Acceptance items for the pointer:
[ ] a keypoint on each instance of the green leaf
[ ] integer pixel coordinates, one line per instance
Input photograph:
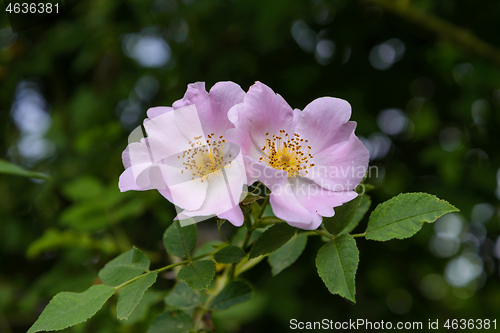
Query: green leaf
(172, 322)
(255, 211)
(141, 311)
(180, 241)
(234, 292)
(288, 253)
(183, 297)
(229, 254)
(198, 274)
(132, 294)
(11, 169)
(68, 309)
(403, 216)
(337, 262)
(126, 266)
(360, 213)
(272, 239)
(343, 215)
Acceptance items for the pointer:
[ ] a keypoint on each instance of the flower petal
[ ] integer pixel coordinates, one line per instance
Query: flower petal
(170, 134)
(267, 175)
(341, 167)
(223, 96)
(213, 106)
(302, 203)
(158, 111)
(234, 215)
(321, 121)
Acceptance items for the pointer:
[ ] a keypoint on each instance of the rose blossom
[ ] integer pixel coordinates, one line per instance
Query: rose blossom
(186, 157)
(310, 160)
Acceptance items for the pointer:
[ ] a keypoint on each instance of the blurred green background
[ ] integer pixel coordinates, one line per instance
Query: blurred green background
(427, 105)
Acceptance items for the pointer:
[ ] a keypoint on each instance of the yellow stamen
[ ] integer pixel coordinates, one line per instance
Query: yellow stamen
(287, 152)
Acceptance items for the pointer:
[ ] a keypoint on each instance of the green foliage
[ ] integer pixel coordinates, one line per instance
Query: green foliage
(198, 274)
(172, 322)
(337, 262)
(11, 169)
(131, 295)
(126, 266)
(343, 216)
(53, 239)
(288, 253)
(358, 216)
(234, 292)
(229, 254)
(183, 297)
(250, 198)
(180, 241)
(403, 216)
(68, 309)
(272, 239)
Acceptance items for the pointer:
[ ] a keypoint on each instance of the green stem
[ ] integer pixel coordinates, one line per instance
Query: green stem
(263, 208)
(221, 282)
(159, 270)
(322, 233)
(358, 235)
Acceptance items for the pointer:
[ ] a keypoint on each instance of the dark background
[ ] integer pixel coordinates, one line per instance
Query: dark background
(427, 107)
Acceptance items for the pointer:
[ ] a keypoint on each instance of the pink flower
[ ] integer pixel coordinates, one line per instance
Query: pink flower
(186, 157)
(310, 160)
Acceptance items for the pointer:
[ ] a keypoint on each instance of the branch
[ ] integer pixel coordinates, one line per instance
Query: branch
(460, 36)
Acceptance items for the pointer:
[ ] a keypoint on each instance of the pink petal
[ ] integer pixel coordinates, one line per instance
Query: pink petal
(269, 176)
(234, 215)
(341, 167)
(213, 107)
(223, 96)
(322, 120)
(169, 134)
(302, 203)
(158, 111)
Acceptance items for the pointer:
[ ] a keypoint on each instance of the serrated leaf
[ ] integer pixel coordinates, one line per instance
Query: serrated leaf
(142, 310)
(180, 241)
(288, 253)
(198, 274)
(172, 322)
(126, 266)
(337, 262)
(183, 297)
(343, 216)
(234, 292)
(360, 213)
(403, 216)
(68, 309)
(12, 169)
(272, 239)
(229, 254)
(132, 294)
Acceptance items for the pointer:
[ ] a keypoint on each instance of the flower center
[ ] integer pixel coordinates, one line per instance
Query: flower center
(204, 159)
(287, 152)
